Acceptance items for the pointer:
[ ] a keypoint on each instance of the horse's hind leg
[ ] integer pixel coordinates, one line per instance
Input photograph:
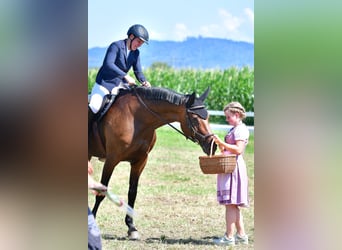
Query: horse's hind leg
(136, 170)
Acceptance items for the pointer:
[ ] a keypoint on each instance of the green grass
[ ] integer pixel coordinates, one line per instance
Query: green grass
(176, 202)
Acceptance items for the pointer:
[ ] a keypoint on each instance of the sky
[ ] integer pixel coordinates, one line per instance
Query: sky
(171, 20)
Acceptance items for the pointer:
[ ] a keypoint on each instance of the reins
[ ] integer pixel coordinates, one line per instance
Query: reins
(162, 119)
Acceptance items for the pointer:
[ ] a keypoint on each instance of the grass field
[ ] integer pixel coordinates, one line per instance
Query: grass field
(176, 203)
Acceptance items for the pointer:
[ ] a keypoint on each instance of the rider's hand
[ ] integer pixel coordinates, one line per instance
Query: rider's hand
(146, 84)
(130, 80)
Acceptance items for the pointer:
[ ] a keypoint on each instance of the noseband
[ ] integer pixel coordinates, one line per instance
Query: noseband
(188, 122)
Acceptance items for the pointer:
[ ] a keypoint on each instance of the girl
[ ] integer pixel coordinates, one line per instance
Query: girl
(232, 189)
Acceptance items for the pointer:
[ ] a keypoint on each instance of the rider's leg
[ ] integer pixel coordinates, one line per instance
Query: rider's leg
(95, 103)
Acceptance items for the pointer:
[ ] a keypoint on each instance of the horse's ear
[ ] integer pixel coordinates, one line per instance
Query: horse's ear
(204, 95)
(191, 100)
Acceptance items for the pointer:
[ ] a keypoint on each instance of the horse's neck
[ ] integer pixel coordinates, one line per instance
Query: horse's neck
(161, 113)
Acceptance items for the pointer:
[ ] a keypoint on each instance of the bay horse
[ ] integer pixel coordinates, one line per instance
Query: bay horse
(127, 132)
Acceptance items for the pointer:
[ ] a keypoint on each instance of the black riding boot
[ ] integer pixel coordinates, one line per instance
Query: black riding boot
(91, 117)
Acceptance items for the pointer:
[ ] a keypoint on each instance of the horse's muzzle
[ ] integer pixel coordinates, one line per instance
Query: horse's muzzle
(206, 145)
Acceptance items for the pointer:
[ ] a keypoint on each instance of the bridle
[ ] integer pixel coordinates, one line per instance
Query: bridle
(189, 122)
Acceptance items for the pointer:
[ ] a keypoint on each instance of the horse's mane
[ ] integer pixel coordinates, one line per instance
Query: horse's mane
(161, 94)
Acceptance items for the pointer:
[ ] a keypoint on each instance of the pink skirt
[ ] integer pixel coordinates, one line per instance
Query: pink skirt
(233, 188)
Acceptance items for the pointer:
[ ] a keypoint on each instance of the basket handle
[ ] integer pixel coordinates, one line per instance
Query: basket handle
(211, 148)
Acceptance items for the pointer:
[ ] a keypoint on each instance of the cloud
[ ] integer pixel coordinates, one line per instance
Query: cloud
(155, 35)
(229, 26)
(211, 30)
(250, 14)
(230, 22)
(238, 28)
(181, 32)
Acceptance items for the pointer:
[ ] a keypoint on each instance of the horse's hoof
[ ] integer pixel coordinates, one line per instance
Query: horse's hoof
(133, 235)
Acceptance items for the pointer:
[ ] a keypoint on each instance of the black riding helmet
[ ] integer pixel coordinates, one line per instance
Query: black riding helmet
(138, 31)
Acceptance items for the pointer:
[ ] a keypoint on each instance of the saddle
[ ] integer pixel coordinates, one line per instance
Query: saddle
(109, 99)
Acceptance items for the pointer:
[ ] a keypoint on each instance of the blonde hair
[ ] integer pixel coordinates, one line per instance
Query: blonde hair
(236, 107)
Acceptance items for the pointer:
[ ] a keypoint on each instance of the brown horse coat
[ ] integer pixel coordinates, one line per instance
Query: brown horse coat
(127, 132)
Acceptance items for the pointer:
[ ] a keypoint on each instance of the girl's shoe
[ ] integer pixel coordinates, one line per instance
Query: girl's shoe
(225, 241)
(241, 239)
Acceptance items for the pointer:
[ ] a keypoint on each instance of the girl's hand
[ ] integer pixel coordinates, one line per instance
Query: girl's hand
(219, 143)
(217, 140)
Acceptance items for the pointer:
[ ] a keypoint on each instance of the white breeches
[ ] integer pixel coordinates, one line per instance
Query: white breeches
(98, 92)
(96, 97)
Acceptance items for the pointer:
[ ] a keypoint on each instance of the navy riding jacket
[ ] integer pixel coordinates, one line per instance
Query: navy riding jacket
(116, 65)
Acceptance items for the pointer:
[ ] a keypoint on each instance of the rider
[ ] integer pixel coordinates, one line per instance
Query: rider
(113, 74)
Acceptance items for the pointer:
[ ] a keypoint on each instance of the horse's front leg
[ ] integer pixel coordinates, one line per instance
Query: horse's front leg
(107, 172)
(136, 170)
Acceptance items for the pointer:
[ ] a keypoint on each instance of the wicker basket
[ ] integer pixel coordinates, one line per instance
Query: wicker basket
(217, 164)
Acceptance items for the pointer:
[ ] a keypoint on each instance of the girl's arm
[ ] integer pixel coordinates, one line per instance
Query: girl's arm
(237, 148)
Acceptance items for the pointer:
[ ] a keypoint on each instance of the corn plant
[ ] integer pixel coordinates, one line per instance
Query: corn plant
(232, 84)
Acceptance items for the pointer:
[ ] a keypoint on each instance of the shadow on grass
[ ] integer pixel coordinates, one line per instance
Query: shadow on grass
(188, 241)
(164, 240)
(113, 237)
(209, 240)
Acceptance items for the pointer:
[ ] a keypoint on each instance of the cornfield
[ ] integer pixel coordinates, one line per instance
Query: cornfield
(233, 84)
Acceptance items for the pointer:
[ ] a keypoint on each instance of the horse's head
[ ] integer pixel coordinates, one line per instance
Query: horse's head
(197, 122)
